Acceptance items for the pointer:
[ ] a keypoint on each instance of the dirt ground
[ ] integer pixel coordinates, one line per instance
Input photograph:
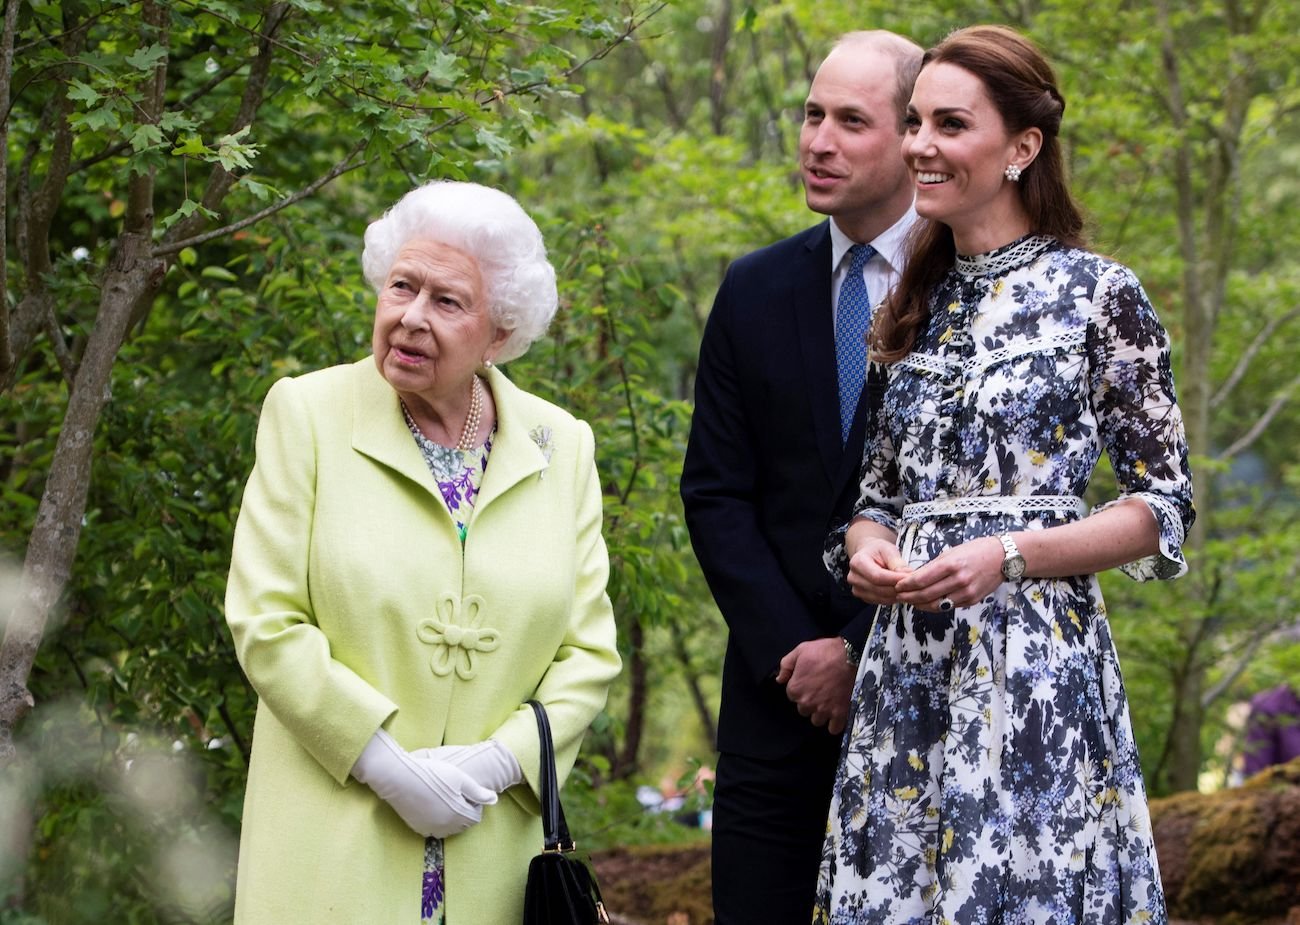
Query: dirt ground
(670, 886)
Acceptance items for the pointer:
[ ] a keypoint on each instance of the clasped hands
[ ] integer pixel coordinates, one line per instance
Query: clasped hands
(437, 791)
(963, 574)
(819, 680)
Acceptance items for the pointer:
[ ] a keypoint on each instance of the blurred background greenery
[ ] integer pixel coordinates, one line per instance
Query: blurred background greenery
(185, 190)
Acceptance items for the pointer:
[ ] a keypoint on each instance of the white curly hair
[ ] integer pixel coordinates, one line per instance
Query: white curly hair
(491, 227)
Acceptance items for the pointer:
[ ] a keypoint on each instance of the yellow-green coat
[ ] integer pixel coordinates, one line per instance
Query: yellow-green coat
(347, 582)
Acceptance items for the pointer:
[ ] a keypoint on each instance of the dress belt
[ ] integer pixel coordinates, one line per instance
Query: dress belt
(993, 504)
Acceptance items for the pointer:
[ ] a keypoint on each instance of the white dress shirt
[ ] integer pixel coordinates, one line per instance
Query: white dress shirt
(882, 270)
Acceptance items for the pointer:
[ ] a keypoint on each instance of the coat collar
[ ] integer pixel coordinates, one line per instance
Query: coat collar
(379, 431)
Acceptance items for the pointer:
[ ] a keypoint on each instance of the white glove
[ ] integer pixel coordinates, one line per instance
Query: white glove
(433, 797)
(489, 763)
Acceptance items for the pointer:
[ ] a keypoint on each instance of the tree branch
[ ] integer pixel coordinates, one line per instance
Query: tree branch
(6, 78)
(36, 210)
(221, 180)
(343, 166)
(1277, 404)
(1248, 355)
(67, 363)
(171, 245)
(182, 106)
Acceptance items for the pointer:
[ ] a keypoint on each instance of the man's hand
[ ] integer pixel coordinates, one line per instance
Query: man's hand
(819, 679)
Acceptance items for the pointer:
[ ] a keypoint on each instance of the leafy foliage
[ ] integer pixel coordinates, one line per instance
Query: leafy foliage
(284, 127)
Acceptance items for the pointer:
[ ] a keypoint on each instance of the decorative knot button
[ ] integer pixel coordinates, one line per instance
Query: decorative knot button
(456, 637)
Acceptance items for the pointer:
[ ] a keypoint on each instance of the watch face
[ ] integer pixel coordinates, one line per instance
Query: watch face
(1013, 567)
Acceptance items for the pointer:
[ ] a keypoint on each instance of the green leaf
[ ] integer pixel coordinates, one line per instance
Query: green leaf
(191, 145)
(493, 142)
(146, 59)
(83, 93)
(102, 119)
(443, 68)
(259, 191)
(145, 136)
(220, 273)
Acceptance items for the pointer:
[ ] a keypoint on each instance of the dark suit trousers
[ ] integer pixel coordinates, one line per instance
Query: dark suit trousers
(769, 821)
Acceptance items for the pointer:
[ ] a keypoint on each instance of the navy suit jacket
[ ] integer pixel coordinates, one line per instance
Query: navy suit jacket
(766, 478)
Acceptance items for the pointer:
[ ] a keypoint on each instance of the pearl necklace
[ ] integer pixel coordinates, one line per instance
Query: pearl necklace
(469, 432)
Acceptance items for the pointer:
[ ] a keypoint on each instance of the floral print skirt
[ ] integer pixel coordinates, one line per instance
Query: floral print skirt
(988, 773)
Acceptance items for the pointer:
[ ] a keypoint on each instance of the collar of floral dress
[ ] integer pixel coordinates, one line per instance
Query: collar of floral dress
(1008, 257)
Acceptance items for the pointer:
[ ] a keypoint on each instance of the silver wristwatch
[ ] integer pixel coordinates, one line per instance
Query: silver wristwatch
(1013, 563)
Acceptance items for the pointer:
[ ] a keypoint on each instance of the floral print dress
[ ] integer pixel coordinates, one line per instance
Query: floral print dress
(459, 474)
(988, 773)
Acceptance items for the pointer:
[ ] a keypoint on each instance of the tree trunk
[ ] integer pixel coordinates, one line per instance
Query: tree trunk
(1181, 763)
(133, 275)
(638, 674)
(692, 677)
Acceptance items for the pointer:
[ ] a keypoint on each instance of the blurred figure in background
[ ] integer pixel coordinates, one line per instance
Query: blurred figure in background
(1272, 729)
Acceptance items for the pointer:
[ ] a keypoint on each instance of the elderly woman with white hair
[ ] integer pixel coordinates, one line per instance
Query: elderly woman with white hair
(418, 554)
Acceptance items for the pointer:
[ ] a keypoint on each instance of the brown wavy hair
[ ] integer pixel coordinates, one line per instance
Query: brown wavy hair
(1022, 86)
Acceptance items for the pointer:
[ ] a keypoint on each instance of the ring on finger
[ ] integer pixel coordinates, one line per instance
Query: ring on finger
(945, 604)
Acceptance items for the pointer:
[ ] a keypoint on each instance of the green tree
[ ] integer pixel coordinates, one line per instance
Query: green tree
(121, 102)
(184, 188)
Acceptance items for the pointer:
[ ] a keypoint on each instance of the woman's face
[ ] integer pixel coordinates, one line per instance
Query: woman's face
(432, 327)
(958, 147)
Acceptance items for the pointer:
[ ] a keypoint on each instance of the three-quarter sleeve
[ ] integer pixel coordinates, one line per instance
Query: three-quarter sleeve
(1132, 390)
(880, 497)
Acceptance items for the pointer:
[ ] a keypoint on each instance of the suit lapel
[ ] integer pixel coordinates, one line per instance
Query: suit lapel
(811, 300)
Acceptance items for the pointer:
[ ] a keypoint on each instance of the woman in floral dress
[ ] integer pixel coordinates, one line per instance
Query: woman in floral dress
(989, 772)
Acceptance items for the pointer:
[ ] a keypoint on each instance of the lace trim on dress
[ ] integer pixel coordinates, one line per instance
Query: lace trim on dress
(941, 366)
(999, 261)
(928, 363)
(993, 504)
(1045, 344)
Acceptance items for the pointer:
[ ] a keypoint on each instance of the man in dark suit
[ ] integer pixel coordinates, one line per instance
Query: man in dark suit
(775, 446)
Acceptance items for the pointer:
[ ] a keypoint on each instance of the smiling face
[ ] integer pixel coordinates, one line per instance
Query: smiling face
(848, 146)
(432, 325)
(958, 148)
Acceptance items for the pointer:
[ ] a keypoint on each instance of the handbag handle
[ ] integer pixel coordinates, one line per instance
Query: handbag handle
(555, 830)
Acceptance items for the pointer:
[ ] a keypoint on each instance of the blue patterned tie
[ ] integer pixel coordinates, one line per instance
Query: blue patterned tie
(852, 318)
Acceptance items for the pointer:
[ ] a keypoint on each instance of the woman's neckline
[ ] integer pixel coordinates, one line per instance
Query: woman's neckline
(1007, 257)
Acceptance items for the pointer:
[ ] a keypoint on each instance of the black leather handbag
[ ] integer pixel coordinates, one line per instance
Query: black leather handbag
(561, 889)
